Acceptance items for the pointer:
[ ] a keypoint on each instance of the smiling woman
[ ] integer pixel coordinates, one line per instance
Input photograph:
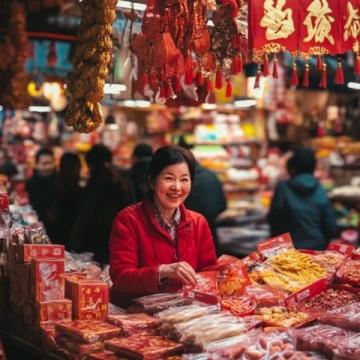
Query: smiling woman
(158, 244)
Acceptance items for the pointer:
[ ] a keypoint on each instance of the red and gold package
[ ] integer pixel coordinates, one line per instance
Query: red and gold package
(266, 295)
(143, 346)
(54, 310)
(90, 299)
(27, 252)
(87, 331)
(275, 246)
(233, 279)
(78, 348)
(104, 355)
(239, 306)
(47, 279)
(70, 279)
(134, 323)
(206, 289)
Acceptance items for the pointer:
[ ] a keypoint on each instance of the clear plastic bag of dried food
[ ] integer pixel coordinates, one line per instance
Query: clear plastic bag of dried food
(318, 337)
(186, 313)
(274, 344)
(348, 348)
(347, 317)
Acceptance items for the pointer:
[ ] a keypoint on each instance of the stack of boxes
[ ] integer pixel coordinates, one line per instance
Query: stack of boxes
(37, 288)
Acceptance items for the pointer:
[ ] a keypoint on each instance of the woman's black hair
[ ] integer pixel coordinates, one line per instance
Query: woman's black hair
(170, 155)
(302, 161)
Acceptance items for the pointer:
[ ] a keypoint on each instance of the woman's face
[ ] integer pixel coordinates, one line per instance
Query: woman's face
(172, 186)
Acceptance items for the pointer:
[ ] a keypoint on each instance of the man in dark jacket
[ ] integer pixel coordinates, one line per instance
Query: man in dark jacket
(300, 205)
(42, 187)
(141, 158)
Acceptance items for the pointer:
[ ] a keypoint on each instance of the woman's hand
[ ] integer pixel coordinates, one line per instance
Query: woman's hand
(180, 271)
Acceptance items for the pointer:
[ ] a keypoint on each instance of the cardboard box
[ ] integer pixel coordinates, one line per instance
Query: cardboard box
(47, 279)
(54, 310)
(90, 299)
(27, 252)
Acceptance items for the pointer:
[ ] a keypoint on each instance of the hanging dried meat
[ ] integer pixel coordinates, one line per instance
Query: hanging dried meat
(13, 52)
(92, 57)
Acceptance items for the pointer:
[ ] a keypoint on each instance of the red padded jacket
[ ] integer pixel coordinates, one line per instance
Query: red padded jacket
(138, 245)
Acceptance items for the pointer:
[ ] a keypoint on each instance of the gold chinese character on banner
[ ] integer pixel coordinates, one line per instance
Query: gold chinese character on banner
(318, 22)
(352, 25)
(279, 23)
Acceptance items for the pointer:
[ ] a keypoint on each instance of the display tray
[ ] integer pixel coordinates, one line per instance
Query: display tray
(16, 347)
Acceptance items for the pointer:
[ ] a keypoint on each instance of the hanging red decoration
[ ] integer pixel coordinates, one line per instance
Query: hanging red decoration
(319, 62)
(323, 81)
(275, 73)
(357, 65)
(257, 79)
(189, 78)
(162, 91)
(266, 66)
(234, 66)
(218, 79)
(239, 64)
(229, 88)
(305, 82)
(209, 85)
(339, 75)
(294, 75)
(200, 78)
(177, 85)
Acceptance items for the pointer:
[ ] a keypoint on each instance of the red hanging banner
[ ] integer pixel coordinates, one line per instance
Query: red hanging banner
(273, 26)
(350, 25)
(320, 26)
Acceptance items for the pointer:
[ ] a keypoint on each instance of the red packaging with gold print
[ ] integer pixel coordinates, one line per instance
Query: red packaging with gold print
(90, 299)
(54, 310)
(27, 252)
(47, 279)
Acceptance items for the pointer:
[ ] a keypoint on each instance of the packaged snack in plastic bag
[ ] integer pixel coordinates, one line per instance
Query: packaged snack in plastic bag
(36, 234)
(349, 272)
(349, 347)
(347, 317)
(266, 295)
(330, 261)
(332, 298)
(134, 323)
(318, 337)
(232, 279)
(206, 288)
(240, 305)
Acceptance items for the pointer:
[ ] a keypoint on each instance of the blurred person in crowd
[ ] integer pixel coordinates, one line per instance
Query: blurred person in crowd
(141, 158)
(207, 195)
(300, 205)
(7, 167)
(67, 201)
(42, 187)
(158, 244)
(107, 192)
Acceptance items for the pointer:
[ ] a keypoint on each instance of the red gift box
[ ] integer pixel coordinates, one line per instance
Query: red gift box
(27, 252)
(90, 299)
(143, 346)
(76, 347)
(54, 310)
(47, 279)
(87, 331)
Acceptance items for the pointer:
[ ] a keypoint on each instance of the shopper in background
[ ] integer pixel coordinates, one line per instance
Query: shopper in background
(300, 205)
(158, 244)
(68, 198)
(7, 167)
(207, 195)
(107, 192)
(141, 158)
(42, 187)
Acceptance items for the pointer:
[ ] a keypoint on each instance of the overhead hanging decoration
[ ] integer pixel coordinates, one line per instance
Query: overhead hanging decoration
(305, 28)
(92, 57)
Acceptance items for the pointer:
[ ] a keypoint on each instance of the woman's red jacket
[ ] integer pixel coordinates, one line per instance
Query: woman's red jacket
(138, 245)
